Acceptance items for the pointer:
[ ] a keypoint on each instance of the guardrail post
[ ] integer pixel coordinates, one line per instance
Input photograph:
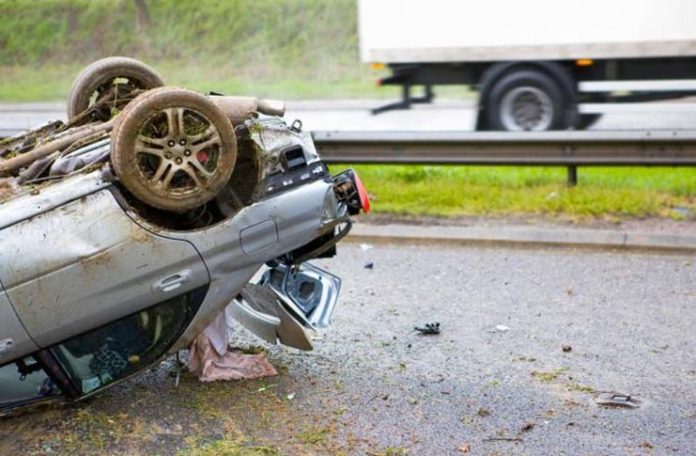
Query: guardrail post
(572, 175)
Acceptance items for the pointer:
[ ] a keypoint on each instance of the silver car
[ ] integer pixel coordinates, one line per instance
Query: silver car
(97, 284)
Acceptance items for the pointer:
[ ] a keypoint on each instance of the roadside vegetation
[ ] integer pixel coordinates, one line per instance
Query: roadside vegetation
(298, 49)
(612, 194)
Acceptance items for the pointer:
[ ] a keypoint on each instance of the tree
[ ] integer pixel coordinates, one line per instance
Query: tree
(142, 19)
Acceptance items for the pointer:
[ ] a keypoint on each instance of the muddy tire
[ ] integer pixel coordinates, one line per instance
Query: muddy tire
(173, 149)
(111, 73)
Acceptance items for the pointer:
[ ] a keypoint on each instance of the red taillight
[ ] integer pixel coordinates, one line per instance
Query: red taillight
(362, 193)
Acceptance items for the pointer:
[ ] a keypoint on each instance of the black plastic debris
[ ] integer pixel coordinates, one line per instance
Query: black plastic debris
(369, 265)
(429, 329)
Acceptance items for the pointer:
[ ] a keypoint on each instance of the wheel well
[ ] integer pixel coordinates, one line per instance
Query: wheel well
(560, 73)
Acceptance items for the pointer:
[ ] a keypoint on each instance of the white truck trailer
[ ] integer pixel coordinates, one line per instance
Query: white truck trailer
(534, 62)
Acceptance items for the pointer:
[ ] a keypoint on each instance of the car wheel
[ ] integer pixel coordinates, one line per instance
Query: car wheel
(527, 101)
(112, 81)
(173, 149)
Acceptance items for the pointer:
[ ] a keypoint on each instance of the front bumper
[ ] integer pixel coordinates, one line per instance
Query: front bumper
(290, 305)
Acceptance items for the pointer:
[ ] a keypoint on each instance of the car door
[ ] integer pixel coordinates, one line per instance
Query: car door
(14, 339)
(86, 263)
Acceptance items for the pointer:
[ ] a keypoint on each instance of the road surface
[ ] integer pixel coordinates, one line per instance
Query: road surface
(495, 381)
(355, 115)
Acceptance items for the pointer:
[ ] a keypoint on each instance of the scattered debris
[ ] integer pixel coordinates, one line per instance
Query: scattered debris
(483, 412)
(266, 387)
(8, 187)
(500, 329)
(429, 329)
(566, 348)
(369, 265)
(464, 448)
(209, 363)
(290, 396)
(365, 247)
(528, 359)
(528, 426)
(617, 400)
(502, 439)
(646, 444)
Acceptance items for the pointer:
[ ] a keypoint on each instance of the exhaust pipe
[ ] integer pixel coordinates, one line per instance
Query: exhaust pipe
(239, 109)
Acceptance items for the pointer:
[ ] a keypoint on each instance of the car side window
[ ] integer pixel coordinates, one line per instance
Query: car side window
(118, 349)
(24, 381)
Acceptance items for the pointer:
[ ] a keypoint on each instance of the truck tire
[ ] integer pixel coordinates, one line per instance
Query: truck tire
(112, 73)
(173, 149)
(527, 100)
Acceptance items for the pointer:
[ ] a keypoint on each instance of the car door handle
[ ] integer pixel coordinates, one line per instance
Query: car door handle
(172, 282)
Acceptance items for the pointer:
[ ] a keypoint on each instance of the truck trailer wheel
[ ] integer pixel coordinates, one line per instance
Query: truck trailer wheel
(527, 100)
(111, 80)
(173, 149)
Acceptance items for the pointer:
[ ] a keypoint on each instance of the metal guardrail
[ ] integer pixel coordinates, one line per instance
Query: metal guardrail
(557, 148)
(564, 148)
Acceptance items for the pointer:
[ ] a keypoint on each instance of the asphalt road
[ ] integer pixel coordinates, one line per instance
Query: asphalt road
(375, 386)
(355, 115)
(628, 318)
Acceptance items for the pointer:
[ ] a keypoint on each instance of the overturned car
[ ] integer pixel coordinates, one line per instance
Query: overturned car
(127, 230)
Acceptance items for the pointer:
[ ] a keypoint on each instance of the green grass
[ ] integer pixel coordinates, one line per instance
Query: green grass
(51, 82)
(314, 435)
(228, 448)
(615, 193)
(548, 377)
(291, 49)
(256, 34)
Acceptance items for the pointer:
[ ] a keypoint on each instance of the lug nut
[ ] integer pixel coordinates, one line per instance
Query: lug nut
(182, 142)
(168, 155)
(178, 160)
(187, 153)
(171, 143)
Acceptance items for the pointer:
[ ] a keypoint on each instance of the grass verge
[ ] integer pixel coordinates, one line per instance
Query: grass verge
(608, 193)
(298, 49)
(51, 82)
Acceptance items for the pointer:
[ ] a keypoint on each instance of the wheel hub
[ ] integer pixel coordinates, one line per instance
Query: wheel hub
(526, 108)
(179, 154)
